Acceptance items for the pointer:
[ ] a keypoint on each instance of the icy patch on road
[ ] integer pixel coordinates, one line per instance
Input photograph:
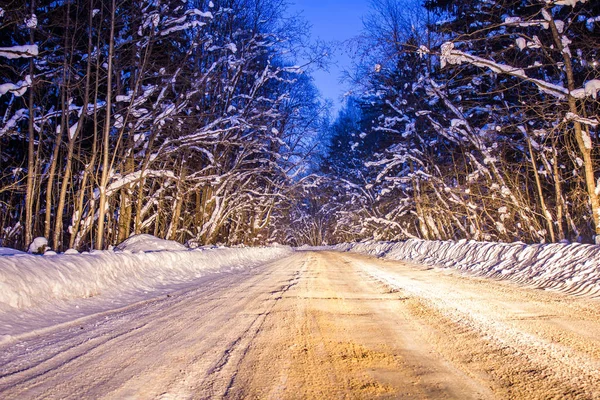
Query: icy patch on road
(570, 268)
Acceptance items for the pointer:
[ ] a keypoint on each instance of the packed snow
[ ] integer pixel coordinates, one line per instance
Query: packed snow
(570, 268)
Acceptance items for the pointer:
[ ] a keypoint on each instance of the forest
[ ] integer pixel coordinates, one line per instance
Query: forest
(198, 121)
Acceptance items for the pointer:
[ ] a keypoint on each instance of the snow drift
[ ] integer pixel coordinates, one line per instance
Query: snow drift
(569, 268)
(31, 281)
(145, 242)
(7, 251)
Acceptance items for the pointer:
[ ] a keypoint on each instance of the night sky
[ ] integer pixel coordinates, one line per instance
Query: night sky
(333, 20)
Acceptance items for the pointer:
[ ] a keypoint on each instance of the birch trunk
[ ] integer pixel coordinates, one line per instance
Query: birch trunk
(106, 134)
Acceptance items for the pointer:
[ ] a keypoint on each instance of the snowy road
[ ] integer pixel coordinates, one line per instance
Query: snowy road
(320, 325)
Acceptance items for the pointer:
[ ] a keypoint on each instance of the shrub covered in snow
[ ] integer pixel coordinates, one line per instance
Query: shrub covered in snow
(38, 246)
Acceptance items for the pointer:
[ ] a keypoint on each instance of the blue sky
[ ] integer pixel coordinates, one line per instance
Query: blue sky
(333, 20)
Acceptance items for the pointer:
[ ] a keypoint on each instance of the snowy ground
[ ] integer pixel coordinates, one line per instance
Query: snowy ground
(274, 323)
(319, 325)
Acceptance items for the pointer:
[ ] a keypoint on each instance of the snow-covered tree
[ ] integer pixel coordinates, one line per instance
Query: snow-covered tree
(484, 120)
(172, 118)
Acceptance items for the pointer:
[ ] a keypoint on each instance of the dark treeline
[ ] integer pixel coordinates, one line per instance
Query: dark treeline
(181, 119)
(471, 119)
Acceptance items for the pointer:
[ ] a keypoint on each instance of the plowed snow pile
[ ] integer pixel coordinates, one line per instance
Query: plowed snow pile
(145, 242)
(30, 281)
(570, 268)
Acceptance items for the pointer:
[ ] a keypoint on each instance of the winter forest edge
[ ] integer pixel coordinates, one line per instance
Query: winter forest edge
(190, 120)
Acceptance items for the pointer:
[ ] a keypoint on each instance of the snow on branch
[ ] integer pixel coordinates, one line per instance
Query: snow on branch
(456, 57)
(25, 51)
(571, 3)
(593, 122)
(12, 122)
(517, 21)
(590, 89)
(183, 23)
(134, 177)
(18, 89)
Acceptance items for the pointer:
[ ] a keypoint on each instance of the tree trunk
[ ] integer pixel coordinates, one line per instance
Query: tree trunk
(174, 225)
(125, 211)
(29, 195)
(540, 191)
(51, 173)
(106, 134)
(558, 193)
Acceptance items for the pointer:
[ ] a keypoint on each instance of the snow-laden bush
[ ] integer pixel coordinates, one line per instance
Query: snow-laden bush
(38, 246)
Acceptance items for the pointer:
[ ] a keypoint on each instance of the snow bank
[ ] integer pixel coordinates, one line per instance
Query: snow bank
(569, 268)
(7, 251)
(30, 281)
(145, 242)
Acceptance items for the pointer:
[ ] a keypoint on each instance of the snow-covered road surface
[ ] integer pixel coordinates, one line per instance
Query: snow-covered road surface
(320, 325)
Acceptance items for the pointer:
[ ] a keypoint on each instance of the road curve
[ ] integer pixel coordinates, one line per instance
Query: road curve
(320, 325)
